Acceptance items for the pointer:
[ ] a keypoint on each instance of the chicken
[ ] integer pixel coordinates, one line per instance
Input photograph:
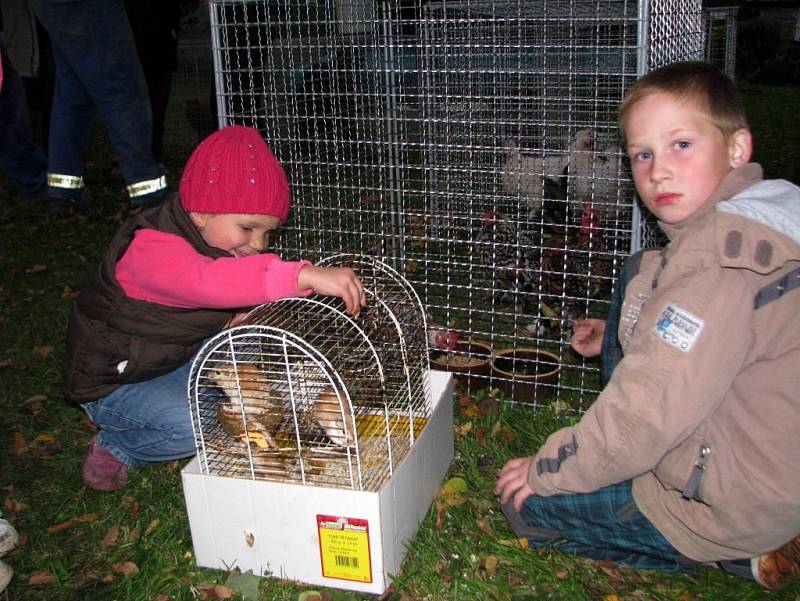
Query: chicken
(440, 338)
(592, 176)
(508, 254)
(529, 176)
(335, 418)
(253, 409)
(574, 266)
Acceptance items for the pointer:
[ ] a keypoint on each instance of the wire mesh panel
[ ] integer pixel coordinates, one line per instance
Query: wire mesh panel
(721, 38)
(470, 145)
(303, 392)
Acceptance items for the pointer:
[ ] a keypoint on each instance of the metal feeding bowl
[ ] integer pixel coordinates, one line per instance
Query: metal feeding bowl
(470, 363)
(525, 374)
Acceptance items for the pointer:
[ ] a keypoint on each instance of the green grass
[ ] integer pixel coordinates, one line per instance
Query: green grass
(80, 537)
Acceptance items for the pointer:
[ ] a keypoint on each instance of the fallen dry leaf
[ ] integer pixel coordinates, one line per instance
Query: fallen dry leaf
(480, 435)
(388, 593)
(5, 362)
(68, 293)
(562, 574)
(44, 351)
(485, 526)
(132, 505)
(20, 446)
(86, 518)
(38, 268)
(161, 597)
(441, 509)
(13, 506)
(488, 405)
(126, 568)
(47, 438)
(463, 429)
(36, 398)
(151, 526)
(470, 411)
(490, 565)
(34, 405)
(39, 578)
(215, 592)
(110, 538)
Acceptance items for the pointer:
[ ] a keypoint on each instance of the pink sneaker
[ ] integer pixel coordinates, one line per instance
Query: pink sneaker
(103, 471)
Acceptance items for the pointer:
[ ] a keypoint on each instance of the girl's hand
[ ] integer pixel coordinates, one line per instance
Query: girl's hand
(513, 482)
(587, 336)
(334, 281)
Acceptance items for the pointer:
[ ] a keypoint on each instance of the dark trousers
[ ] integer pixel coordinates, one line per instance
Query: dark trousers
(21, 158)
(96, 65)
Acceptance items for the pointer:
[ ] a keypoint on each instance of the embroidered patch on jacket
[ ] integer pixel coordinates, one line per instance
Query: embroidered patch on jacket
(678, 327)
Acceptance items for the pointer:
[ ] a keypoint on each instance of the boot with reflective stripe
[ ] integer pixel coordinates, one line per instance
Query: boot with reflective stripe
(147, 191)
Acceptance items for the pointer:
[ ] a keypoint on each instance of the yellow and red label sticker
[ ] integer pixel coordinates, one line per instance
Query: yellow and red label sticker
(344, 548)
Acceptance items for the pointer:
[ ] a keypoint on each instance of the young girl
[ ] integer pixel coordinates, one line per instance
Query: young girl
(174, 276)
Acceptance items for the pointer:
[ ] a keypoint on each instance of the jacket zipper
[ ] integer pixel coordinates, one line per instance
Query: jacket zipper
(692, 488)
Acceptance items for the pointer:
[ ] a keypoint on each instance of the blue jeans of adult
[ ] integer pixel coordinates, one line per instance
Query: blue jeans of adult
(96, 64)
(146, 422)
(21, 158)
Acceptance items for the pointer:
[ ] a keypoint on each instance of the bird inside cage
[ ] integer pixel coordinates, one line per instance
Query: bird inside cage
(575, 268)
(592, 176)
(530, 176)
(272, 414)
(440, 338)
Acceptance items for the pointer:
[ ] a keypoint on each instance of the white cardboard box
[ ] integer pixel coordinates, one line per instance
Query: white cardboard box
(325, 536)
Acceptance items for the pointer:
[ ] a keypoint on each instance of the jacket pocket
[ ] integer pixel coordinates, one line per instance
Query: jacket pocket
(692, 488)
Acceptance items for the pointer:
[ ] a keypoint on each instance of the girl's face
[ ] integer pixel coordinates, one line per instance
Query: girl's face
(678, 156)
(240, 235)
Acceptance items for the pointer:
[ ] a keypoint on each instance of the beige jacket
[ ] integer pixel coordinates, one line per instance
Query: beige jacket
(710, 376)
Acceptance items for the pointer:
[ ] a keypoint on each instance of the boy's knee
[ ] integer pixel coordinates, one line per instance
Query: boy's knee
(524, 529)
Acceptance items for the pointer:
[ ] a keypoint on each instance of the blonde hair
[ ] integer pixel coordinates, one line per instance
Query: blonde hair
(698, 83)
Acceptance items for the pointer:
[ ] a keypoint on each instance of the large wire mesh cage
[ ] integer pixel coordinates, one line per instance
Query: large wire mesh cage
(303, 392)
(471, 145)
(721, 38)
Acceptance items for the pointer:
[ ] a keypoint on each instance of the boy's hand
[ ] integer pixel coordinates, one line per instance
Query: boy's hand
(587, 336)
(513, 482)
(334, 281)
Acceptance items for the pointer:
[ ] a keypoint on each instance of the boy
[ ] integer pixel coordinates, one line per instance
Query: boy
(173, 277)
(688, 455)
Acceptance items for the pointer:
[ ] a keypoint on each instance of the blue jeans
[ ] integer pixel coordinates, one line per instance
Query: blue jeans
(96, 65)
(21, 158)
(148, 421)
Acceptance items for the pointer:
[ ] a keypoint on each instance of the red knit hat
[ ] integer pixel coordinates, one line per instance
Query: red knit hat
(234, 171)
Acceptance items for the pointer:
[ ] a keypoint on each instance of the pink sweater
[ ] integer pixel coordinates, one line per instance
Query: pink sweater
(164, 268)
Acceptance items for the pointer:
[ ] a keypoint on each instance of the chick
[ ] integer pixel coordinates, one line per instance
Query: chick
(249, 392)
(327, 414)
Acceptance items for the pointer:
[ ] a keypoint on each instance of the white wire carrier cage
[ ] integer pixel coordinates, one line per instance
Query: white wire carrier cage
(303, 392)
(472, 145)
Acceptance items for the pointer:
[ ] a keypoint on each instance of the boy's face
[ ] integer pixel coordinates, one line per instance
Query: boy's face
(240, 235)
(678, 156)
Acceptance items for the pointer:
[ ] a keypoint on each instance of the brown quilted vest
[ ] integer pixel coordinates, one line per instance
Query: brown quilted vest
(113, 339)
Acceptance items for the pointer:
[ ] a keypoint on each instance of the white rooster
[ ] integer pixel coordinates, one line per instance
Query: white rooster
(529, 176)
(593, 177)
